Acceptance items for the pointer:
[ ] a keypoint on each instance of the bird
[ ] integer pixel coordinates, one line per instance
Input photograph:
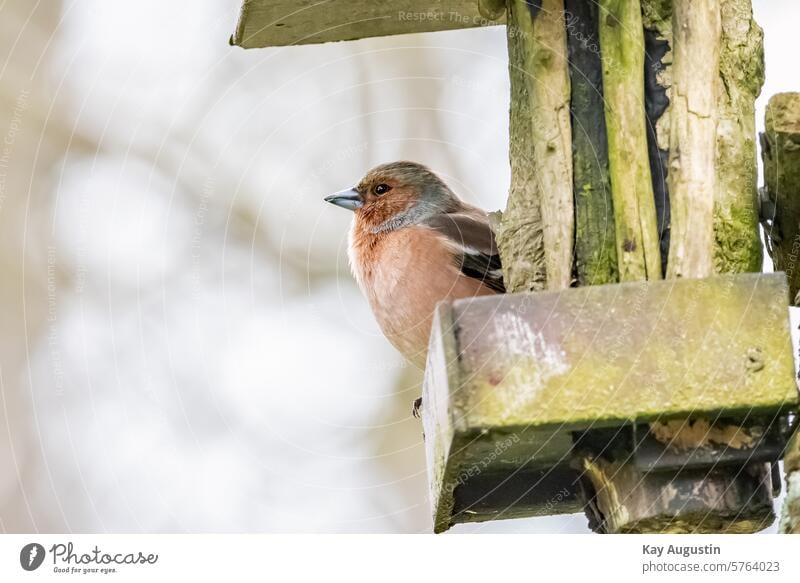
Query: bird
(413, 244)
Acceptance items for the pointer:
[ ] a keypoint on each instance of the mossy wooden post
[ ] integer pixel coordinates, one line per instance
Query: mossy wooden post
(535, 233)
(622, 43)
(736, 246)
(780, 151)
(595, 238)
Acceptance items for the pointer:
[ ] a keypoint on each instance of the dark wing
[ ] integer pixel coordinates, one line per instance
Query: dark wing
(473, 238)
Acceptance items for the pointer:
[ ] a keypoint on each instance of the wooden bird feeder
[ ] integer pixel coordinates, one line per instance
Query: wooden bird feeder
(654, 406)
(537, 402)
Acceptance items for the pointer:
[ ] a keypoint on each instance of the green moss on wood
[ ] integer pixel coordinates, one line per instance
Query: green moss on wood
(657, 15)
(554, 360)
(622, 46)
(737, 243)
(270, 23)
(736, 249)
(790, 518)
(595, 239)
(538, 49)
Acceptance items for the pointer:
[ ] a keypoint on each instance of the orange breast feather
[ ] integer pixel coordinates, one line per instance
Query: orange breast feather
(404, 274)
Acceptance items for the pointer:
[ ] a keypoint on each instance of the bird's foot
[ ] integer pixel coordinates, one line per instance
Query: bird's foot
(416, 407)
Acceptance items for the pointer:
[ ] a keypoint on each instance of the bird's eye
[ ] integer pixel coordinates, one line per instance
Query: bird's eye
(382, 189)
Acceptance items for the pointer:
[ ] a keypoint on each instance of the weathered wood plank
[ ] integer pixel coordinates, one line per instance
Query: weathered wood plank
(737, 243)
(683, 475)
(693, 117)
(622, 46)
(790, 516)
(611, 354)
(272, 23)
(691, 501)
(538, 58)
(519, 228)
(595, 238)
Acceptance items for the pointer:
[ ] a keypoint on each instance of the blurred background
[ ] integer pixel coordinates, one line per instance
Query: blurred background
(182, 347)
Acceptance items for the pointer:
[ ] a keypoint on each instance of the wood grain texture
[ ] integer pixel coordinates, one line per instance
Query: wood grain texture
(622, 45)
(693, 132)
(273, 23)
(519, 229)
(737, 243)
(595, 239)
(691, 501)
(539, 38)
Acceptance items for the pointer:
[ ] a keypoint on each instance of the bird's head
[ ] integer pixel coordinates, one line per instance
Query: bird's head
(394, 195)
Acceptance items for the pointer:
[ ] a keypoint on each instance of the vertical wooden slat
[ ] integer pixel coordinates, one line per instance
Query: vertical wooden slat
(540, 205)
(622, 44)
(595, 239)
(737, 244)
(693, 134)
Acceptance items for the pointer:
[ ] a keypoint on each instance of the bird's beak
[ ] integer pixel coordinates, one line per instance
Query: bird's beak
(347, 199)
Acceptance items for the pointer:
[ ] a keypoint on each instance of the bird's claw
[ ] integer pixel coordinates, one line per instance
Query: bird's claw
(416, 407)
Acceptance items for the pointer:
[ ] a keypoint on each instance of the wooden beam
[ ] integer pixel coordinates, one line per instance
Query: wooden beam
(718, 501)
(780, 151)
(512, 378)
(535, 234)
(622, 46)
(692, 157)
(273, 23)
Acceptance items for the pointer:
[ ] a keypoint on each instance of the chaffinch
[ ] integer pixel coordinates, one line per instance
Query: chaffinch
(413, 244)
